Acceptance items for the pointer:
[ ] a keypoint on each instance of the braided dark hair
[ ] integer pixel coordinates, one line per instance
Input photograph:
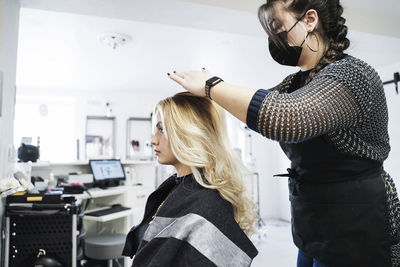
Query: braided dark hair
(331, 27)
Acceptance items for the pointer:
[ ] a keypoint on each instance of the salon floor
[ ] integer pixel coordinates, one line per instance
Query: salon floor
(275, 248)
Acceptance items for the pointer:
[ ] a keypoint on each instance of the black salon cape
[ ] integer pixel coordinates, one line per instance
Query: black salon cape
(194, 227)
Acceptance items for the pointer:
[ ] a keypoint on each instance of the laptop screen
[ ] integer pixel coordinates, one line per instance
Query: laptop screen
(107, 169)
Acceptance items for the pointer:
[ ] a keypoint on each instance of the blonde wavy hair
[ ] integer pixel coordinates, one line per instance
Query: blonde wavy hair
(196, 128)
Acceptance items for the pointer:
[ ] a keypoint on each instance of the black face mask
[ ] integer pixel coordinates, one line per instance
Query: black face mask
(285, 54)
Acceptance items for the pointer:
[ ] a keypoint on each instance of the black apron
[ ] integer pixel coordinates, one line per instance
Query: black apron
(338, 204)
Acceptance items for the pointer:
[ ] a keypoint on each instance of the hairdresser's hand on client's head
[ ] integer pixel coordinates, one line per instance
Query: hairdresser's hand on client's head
(193, 81)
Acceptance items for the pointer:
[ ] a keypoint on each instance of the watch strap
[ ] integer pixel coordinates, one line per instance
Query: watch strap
(210, 83)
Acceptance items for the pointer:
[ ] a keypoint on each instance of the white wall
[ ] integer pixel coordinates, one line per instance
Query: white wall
(392, 165)
(9, 15)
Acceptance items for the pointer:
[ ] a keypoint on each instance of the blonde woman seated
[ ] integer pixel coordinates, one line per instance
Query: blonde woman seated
(200, 216)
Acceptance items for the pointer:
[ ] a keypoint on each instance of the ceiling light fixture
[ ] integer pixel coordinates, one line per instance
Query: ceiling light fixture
(114, 40)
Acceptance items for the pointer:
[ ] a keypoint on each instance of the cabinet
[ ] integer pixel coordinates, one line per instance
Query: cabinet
(136, 200)
(49, 227)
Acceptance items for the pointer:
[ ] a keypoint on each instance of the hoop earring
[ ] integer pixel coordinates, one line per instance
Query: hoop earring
(312, 50)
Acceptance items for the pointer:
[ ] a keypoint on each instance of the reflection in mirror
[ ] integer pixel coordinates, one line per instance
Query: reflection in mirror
(100, 137)
(138, 133)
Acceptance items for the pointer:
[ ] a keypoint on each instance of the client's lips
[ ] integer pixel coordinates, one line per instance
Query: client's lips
(157, 151)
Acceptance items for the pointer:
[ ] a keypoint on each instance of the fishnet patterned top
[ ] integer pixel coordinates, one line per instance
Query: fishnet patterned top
(345, 101)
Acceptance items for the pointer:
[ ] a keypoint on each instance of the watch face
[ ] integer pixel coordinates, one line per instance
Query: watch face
(213, 80)
(216, 81)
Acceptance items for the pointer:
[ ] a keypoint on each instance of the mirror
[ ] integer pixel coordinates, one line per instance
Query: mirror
(138, 133)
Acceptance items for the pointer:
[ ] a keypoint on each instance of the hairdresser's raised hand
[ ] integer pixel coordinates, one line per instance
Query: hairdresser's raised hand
(193, 81)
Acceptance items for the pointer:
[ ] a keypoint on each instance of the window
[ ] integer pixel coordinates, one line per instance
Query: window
(53, 120)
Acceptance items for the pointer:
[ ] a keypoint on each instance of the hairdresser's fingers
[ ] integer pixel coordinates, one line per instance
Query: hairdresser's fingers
(178, 78)
(179, 74)
(193, 81)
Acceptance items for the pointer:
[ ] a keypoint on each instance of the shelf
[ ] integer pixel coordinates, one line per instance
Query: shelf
(40, 164)
(85, 162)
(112, 191)
(138, 162)
(109, 217)
(96, 192)
(49, 164)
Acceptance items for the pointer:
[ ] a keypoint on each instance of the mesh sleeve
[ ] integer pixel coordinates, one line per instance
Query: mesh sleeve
(323, 105)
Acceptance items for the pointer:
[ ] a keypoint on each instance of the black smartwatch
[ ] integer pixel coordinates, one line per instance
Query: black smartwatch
(210, 83)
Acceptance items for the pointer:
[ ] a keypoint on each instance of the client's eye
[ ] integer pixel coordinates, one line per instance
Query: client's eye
(159, 127)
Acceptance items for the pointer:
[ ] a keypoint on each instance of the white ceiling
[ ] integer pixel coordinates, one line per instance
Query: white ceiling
(59, 50)
(378, 17)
